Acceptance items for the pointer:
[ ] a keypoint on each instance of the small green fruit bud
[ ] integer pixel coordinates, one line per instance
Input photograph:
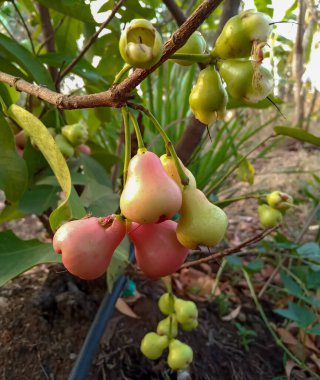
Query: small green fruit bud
(141, 44)
(76, 134)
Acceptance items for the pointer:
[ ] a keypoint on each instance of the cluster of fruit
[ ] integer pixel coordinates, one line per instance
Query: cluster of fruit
(244, 35)
(152, 195)
(70, 141)
(180, 312)
(272, 212)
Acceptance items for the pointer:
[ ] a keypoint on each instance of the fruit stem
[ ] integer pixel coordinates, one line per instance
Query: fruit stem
(121, 73)
(169, 146)
(203, 58)
(137, 131)
(127, 143)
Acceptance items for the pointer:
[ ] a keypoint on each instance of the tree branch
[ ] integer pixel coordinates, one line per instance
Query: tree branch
(48, 33)
(175, 11)
(229, 251)
(117, 95)
(91, 41)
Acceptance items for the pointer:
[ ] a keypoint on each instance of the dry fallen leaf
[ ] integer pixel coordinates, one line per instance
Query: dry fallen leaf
(125, 309)
(290, 364)
(233, 315)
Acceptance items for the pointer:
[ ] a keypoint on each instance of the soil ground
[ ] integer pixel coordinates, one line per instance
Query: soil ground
(45, 314)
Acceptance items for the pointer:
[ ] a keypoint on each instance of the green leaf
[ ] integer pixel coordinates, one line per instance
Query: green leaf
(234, 260)
(298, 134)
(264, 6)
(51, 152)
(300, 314)
(290, 10)
(26, 60)
(13, 169)
(38, 199)
(310, 250)
(10, 212)
(118, 263)
(78, 9)
(255, 265)
(291, 285)
(17, 256)
(245, 171)
(315, 330)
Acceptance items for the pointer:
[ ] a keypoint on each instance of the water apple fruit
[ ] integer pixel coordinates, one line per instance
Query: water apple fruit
(201, 222)
(157, 249)
(149, 194)
(87, 244)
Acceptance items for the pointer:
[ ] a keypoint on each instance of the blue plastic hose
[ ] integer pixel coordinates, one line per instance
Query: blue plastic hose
(90, 346)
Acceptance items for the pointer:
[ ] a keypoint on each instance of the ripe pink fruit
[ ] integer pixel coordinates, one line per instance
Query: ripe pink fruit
(87, 244)
(85, 149)
(157, 249)
(150, 195)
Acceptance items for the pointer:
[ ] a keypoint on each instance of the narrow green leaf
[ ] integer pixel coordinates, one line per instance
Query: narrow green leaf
(298, 134)
(264, 6)
(51, 152)
(17, 256)
(13, 169)
(26, 60)
(78, 9)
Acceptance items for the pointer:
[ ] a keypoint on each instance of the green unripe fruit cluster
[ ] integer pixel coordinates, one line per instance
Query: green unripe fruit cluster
(271, 214)
(179, 311)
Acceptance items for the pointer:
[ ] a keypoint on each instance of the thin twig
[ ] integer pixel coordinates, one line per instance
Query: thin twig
(25, 25)
(228, 251)
(50, 37)
(91, 41)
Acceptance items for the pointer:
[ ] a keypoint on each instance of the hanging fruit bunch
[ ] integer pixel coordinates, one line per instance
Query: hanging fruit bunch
(271, 213)
(157, 189)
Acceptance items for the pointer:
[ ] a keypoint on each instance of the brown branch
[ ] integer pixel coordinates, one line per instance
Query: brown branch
(50, 37)
(48, 33)
(229, 251)
(91, 41)
(117, 95)
(175, 11)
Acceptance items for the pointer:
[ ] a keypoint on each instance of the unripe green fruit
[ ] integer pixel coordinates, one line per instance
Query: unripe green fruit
(239, 33)
(76, 134)
(180, 355)
(171, 169)
(166, 303)
(208, 98)
(268, 216)
(186, 311)
(196, 44)
(245, 80)
(168, 327)
(140, 44)
(279, 200)
(256, 25)
(190, 325)
(153, 345)
(201, 222)
(65, 147)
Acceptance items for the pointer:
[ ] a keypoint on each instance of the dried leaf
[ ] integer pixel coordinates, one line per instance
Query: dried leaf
(125, 309)
(233, 315)
(286, 337)
(316, 360)
(290, 364)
